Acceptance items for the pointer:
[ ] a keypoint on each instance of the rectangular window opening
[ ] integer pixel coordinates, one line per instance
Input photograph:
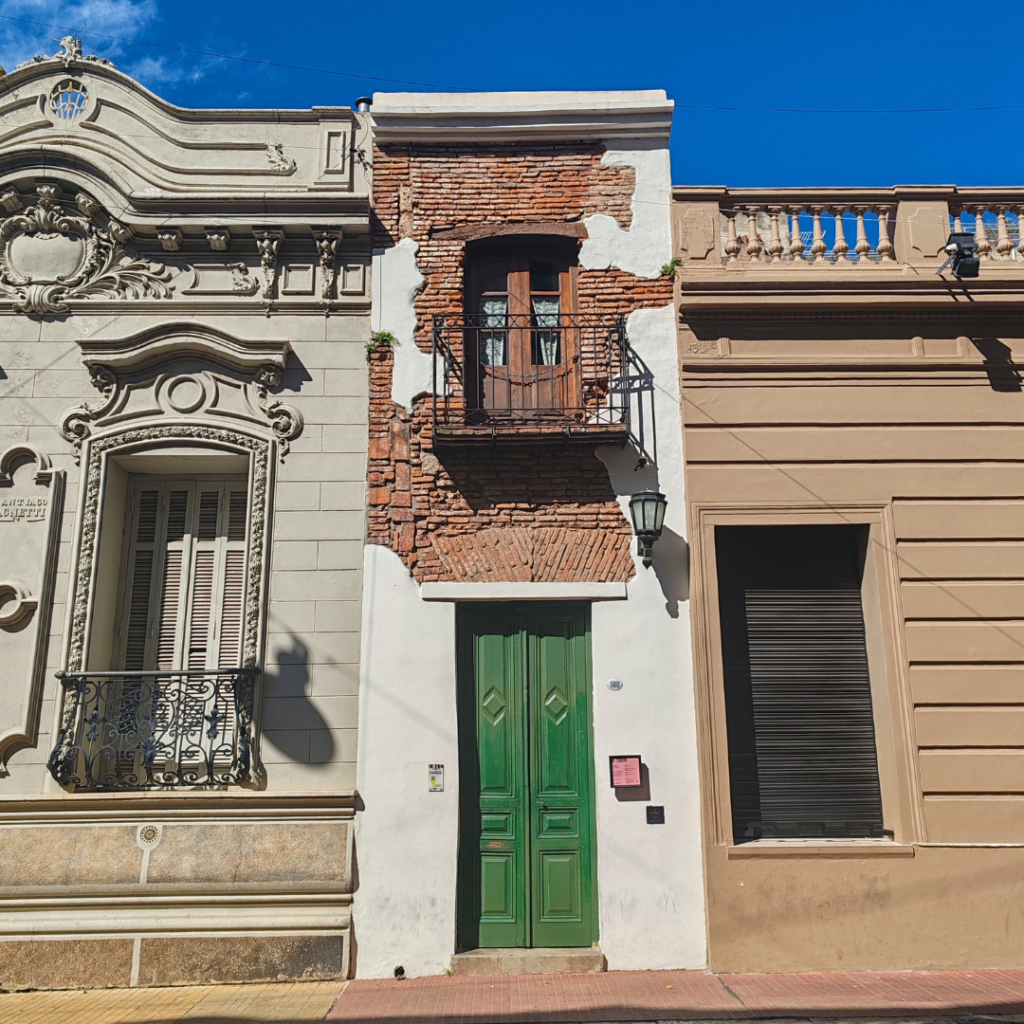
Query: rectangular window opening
(801, 738)
(181, 608)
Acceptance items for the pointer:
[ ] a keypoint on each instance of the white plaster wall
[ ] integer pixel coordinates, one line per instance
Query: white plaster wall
(650, 877)
(647, 246)
(407, 837)
(396, 280)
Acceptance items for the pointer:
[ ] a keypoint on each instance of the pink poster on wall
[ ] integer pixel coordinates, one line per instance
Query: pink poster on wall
(626, 771)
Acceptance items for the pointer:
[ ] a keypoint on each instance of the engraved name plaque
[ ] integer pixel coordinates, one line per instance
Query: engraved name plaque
(31, 492)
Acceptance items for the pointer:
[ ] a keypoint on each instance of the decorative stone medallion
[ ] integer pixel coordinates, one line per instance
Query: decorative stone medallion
(50, 255)
(148, 835)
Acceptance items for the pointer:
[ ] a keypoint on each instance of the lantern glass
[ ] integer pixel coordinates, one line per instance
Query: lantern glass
(648, 511)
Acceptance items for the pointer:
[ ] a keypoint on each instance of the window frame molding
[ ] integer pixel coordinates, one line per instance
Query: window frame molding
(262, 454)
(98, 451)
(893, 714)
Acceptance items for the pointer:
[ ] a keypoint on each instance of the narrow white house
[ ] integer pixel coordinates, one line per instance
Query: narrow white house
(527, 762)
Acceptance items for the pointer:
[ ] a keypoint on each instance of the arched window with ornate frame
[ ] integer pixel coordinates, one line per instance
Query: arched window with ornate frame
(170, 571)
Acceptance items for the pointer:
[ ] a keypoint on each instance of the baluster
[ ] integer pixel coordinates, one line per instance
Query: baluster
(775, 246)
(1003, 244)
(957, 225)
(1020, 232)
(863, 246)
(979, 232)
(796, 243)
(840, 248)
(884, 241)
(732, 243)
(818, 246)
(753, 238)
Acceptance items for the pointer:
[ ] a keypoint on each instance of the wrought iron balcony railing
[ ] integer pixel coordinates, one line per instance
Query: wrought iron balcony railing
(536, 374)
(140, 730)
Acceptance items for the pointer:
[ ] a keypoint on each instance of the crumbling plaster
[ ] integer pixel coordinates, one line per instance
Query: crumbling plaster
(642, 250)
(651, 901)
(396, 282)
(647, 246)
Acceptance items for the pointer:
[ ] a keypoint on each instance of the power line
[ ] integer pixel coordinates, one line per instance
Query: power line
(247, 60)
(831, 110)
(462, 88)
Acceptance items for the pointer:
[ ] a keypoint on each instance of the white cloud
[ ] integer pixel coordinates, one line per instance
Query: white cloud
(154, 71)
(93, 20)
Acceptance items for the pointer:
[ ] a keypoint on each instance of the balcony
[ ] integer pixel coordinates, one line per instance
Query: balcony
(827, 246)
(145, 730)
(560, 378)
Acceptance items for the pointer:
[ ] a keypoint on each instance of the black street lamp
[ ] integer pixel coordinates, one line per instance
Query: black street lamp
(647, 509)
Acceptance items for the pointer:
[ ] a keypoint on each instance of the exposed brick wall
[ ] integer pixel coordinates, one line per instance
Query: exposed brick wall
(513, 512)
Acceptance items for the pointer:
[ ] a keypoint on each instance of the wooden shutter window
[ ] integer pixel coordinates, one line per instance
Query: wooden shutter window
(185, 575)
(802, 758)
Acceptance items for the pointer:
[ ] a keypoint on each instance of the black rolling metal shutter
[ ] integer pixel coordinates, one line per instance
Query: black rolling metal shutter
(802, 759)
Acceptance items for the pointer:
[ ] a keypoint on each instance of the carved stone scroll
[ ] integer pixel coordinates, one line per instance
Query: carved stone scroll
(50, 256)
(31, 496)
(207, 393)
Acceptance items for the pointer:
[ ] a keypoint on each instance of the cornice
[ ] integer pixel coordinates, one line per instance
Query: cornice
(43, 67)
(238, 804)
(808, 314)
(172, 340)
(240, 307)
(520, 116)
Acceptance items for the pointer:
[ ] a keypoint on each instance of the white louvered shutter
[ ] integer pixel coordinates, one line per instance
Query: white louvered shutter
(184, 576)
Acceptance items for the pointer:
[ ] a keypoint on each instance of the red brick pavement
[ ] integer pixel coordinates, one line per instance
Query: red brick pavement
(676, 995)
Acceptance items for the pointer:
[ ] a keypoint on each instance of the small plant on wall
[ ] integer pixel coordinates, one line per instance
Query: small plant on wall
(380, 340)
(669, 269)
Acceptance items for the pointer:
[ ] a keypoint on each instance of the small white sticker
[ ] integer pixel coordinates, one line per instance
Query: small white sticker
(435, 778)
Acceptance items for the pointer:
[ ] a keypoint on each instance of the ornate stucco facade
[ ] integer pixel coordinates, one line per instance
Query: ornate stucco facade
(184, 304)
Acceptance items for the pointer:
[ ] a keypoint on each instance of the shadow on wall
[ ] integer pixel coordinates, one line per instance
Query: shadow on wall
(290, 719)
(1002, 375)
(671, 555)
(671, 564)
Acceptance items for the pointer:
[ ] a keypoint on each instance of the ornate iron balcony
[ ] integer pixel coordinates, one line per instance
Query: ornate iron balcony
(560, 376)
(141, 730)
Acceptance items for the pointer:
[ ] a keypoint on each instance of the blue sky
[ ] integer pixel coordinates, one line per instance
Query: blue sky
(837, 55)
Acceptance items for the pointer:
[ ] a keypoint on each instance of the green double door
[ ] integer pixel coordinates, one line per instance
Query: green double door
(526, 845)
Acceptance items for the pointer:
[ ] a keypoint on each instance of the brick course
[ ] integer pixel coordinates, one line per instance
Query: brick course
(515, 511)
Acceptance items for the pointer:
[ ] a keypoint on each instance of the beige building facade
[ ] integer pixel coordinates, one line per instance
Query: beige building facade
(852, 431)
(184, 307)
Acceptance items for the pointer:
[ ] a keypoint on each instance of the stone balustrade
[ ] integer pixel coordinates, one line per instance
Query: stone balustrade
(815, 233)
(843, 228)
(994, 224)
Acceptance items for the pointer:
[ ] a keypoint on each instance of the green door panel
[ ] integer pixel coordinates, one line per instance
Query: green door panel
(497, 887)
(561, 774)
(492, 755)
(526, 861)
